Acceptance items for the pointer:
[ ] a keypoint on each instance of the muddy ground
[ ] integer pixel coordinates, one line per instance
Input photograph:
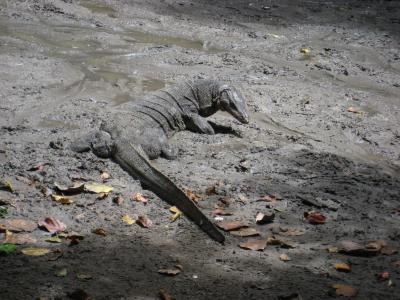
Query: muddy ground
(64, 64)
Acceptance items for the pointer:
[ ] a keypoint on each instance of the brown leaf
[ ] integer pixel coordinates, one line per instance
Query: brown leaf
(352, 248)
(284, 257)
(279, 242)
(343, 267)
(245, 232)
(105, 176)
(389, 250)
(144, 221)
(138, 197)
(165, 296)
(243, 199)
(265, 218)
(192, 195)
(75, 188)
(293, 232)
(221, 212)
(254, 244)
(17, 225)
(19, 239)
(62, 199)
(52, 225)
(345, 290)
(268, 198)
(354, 110)
(99, 231)
(170, 272)
(315, 218)
(231, 225)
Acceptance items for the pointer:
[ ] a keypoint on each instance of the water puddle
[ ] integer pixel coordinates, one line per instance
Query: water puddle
(99, 8)
(152, 84)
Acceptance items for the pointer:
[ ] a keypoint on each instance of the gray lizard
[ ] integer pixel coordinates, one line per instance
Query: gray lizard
(140, 131)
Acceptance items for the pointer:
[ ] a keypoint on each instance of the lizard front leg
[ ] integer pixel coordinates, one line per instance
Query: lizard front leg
(198, 124)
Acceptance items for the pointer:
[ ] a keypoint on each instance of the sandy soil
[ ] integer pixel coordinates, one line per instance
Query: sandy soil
(65, 64)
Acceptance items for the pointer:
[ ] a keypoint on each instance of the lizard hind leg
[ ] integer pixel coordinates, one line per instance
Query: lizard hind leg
(168, 152)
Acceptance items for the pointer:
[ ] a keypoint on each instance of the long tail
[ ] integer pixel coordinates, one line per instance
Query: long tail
(131, 159)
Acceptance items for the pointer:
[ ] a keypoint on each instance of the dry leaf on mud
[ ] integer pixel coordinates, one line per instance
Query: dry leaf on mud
(170, 272)
(268, 198)
(221, 212)
(6, 186)
(231, 225)
(97, 188)
(345, 290)
(164, 295)
(273, 241)
(128, 220)
(17, 225)
(192, 195)
(62, 199)
(77, 187)
(138, 197)
(33, 251)
(245, 232)
(243, 199)
(293, 232)
(105, 176)
(19, 239)
(254, 244)
(54, 239)
(74, 238)
(353, 248)
(343, 267)
(118, 200)
(99, 231)
(315, 218)
(144, 222)
(284, 257)
(265, 218)
(62, 272)
(305, 51)
(52, 225)
(354, 110)
(177, 213)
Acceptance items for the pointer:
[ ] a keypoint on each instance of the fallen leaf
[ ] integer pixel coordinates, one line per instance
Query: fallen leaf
(352, 248)
(343, 267)
(138, 197)
(254, 244)
(17, 225)
(243, 199)
(83, 276)
(53, 225)
(19, 239)
(315, 218)
(170, 272)
(144, 221)
(118, 200)
(221, 212)
(383, 276)
(284, 257)
(53, 239)
(333, 250)
(354, 110)
(273, 241)
(389, 250)
(305, 51)
(75, 188)
(268, 198)
(231, 225)
(245, 232)
(164, 295)
(6, 186)
(128, 220)
(62, 199)
(97, 188)
(293, 232)
(7, 249)
(345, 290)
(177, 213)
(264, 218)
(33, 251)
(100, 231)
(105, 176)
(192, 195)
(62, 272)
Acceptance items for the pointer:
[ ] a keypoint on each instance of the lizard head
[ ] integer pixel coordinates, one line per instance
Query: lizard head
(233, 102)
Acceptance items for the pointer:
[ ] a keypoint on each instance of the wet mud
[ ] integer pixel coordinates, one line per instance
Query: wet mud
(322, 82)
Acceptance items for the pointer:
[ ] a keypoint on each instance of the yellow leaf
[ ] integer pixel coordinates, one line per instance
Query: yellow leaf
(53, 239)
(305, 51)
(62, 273)
(128, 220)
(97, 188)
(342, 267)
(35, 251)
(7, 186)
(177, 213)
(62, 199)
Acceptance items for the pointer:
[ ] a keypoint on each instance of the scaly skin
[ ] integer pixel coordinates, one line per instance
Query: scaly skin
(141, 130)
